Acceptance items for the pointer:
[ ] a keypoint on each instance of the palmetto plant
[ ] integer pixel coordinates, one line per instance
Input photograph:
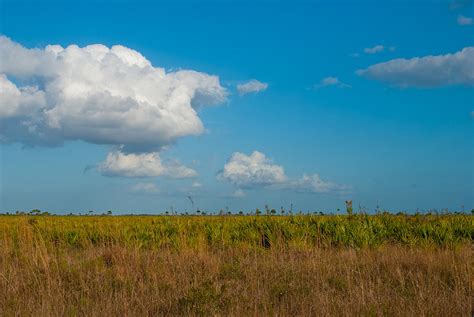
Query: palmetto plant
(304, 230)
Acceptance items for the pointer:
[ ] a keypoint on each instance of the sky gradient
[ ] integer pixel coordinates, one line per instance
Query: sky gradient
(236, 104)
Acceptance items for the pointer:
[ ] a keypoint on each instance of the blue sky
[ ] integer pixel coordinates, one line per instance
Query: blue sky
(398, 134)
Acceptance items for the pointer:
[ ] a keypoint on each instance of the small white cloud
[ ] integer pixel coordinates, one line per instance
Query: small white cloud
(252, 86)
(472, 114)
(374, 50)
(144, 188)
(427, 71)
(239, 193)
(196, 184)
(331, 81)
(355, 55)
(256, 170)
(142, 165)
(392, 48)
(246, 171)
(462, 20)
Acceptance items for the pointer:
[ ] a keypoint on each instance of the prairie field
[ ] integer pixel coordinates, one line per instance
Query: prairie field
(304, 265)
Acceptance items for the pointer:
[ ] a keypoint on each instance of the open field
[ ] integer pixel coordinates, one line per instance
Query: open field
(237, 265)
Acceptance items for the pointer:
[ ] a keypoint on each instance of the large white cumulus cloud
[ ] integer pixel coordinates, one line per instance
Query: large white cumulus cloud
(19, 101)
(99, 95)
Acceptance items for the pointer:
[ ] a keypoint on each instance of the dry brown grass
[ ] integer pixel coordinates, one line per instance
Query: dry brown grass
(40, 279)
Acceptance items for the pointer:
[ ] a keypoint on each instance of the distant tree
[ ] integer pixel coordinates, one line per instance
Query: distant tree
(109, 212)
(35, 212)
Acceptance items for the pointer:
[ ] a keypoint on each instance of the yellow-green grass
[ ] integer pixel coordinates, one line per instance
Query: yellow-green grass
(179, 232)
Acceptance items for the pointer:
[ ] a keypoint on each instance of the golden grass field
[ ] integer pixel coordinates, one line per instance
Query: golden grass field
(381, 265)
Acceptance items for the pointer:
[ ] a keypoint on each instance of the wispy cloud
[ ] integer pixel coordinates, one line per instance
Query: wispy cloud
(374, 50)
(331, 81)
(144, 188)
(427, 71)
(314, 184)
(459, 4)
(196, 184)
(239, 193)
(462, 20)
(251, 86)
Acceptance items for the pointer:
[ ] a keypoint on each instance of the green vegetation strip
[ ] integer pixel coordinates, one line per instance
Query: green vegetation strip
(181, 232)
